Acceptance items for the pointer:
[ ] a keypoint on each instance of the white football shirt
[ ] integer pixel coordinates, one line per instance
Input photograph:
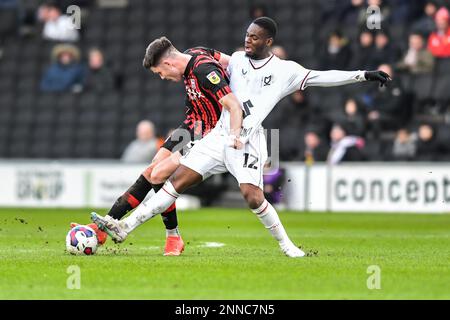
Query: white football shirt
(260, 85)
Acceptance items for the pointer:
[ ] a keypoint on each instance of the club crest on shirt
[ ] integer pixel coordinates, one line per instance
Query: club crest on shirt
(213, 77)
(267, 81)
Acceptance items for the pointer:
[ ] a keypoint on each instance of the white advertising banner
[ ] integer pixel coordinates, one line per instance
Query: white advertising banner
(417, 188)
(294, 188)
(41, 185)
(387, 187)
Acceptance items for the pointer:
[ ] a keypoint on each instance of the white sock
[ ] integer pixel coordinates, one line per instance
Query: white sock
(269, 218)
(159, 203)
(172, 232)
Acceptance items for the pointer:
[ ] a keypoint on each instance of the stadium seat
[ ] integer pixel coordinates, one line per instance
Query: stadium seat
(62, 150)
(422, 86)
(441, 85)
(7, 100)
(19, 149)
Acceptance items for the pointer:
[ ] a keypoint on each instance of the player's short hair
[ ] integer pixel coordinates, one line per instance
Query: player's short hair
(155, 50)
(267, 24)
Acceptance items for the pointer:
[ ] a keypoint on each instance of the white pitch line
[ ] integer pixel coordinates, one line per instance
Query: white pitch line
(212, 245)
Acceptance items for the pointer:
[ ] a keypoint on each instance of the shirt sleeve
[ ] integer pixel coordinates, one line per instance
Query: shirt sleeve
(333, 78)
(212, 78)
(296, 77)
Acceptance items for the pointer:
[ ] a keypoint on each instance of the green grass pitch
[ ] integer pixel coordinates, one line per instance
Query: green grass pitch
(412, 252)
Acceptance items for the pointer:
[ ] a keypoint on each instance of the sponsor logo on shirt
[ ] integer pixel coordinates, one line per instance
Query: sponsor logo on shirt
(213, 77)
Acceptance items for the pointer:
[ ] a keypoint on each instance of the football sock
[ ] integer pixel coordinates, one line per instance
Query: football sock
(130, 199)
(169, 217)
(269, 218)
(172, 232)
(159, 203)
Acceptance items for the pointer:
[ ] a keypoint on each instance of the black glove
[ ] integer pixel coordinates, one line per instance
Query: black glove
(380, 76)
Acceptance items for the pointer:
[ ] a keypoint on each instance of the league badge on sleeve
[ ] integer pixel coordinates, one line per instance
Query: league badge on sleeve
(213, 77)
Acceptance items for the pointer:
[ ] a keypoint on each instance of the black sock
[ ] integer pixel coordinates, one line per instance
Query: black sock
(169, 217)
(130, 199)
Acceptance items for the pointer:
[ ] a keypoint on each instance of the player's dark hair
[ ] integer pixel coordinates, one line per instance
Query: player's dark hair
(267, 24)
(155, 51)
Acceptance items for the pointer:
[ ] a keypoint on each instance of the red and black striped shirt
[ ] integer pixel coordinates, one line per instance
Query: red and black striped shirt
(206, 83)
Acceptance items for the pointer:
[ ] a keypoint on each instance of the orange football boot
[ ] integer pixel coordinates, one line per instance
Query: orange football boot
(174, 246)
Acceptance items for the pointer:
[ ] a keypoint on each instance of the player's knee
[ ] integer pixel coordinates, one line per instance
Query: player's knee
(157, 177)
(148, 173)
(254, 197)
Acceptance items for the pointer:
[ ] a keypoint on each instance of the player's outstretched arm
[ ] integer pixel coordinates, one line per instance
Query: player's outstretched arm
(333, 78)
(232, 104)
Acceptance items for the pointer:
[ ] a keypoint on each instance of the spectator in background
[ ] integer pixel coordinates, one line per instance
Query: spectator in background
(361, 55)
(426, 24)
(384, 105)
(353, 13)
(427, 146)
(344, 148)
(439, 41)
(418, 60)
(99, 77)
(144, 148)
(353, 118)
(57, 26)
(385, 12)
(257, 11)
(279, 52)
(337, 53)
(66, 73)
(384, 51)
(404, 146)
(273, 184)
(315, 148)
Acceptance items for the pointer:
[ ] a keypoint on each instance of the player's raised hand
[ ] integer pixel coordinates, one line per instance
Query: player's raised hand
(379, 76)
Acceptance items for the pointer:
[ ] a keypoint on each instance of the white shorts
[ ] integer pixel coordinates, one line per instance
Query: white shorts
(211, 155)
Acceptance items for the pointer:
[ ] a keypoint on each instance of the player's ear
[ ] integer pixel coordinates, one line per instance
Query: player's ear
(269, 42)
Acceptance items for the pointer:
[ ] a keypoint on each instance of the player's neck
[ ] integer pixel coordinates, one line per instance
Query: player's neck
(262, 56)
(182, 61)
(261, 62)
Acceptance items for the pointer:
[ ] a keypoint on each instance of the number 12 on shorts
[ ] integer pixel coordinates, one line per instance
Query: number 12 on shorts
(250, 161)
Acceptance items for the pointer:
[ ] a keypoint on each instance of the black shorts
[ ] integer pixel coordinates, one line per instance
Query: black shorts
(180, 139)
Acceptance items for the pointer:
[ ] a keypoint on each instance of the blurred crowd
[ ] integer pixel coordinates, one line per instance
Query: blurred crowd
(407, 121)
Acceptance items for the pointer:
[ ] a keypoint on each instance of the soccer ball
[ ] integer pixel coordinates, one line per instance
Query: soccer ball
(81, 240)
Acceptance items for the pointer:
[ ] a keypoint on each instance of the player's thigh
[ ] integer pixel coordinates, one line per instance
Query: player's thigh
(161, 155)
(247, 165)
(206, 157)
(184, 177)
(164, 169)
